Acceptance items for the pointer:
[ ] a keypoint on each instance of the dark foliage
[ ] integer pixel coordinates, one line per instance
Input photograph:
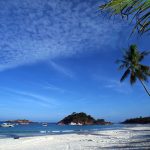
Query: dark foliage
(82, 118)
(137, 10)
(140, 120)
(134, 69)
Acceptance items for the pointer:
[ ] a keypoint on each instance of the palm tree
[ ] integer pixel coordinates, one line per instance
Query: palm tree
(138, 10)
(132, 63)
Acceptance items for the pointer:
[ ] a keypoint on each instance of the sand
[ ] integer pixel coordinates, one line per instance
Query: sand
(127, 138)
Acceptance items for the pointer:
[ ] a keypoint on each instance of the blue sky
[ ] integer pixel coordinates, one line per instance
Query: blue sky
(58, 57)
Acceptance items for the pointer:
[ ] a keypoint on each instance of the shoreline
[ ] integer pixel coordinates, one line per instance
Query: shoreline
(46, 131)
(128, 137)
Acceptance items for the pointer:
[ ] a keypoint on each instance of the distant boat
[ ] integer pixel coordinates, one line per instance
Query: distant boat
(7, 125)
(73, 124)
(79, 124)
(44, 124)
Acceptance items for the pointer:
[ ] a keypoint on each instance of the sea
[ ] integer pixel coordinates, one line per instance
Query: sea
(37, 129)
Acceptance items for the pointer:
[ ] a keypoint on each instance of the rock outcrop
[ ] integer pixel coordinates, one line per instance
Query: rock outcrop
(82, 119)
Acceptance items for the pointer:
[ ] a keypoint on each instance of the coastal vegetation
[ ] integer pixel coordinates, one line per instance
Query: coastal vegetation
(131, 62)
(140, 120)
(138, 12)
(82, 119)
(20, 121)
(135, 10)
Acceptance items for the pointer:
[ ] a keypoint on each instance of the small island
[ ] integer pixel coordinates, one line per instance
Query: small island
(140, 120)
(20, 121)
(82, 119)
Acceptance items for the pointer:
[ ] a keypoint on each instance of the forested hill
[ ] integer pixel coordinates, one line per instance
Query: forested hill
(140, 120)
(82, 119)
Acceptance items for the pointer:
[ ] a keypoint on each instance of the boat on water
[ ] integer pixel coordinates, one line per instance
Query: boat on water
(44, 124)
(79, 124)
(7, 125)
(75, 124)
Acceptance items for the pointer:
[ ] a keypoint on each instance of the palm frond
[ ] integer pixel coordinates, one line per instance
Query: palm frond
(137, 9)
(119, 61)
(145, 69)
(141, 75)
(123, 66)
(143, 54)
(132, 78)
(125, 75)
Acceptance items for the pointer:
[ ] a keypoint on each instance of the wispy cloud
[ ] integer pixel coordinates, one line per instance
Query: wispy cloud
(49, 86)
(113, 84)
(117, 86)
(61, 69)
(31, 32)
(32, 97)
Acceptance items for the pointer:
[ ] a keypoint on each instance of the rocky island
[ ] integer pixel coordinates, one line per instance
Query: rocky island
(19, 121)
(140, 120)
(82, 119)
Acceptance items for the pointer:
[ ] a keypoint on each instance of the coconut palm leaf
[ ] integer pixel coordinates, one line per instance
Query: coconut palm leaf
(143, 54)
(132, 78)
(145, 69)
(125, 75)
(139, 10)
(142, 76)
(123, 66)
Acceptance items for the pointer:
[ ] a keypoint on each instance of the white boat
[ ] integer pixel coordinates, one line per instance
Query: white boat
(44, 124)
(7, 125)
(75, 124)
(72, 124)
(79, 124)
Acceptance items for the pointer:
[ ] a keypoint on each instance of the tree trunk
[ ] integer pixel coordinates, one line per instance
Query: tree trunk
(144, 87)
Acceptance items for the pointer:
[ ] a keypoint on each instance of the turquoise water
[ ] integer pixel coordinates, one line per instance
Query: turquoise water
(35, 129)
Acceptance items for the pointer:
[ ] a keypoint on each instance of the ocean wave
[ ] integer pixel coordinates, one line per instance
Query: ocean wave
(43, 131)
(68, 131)
(56, 131)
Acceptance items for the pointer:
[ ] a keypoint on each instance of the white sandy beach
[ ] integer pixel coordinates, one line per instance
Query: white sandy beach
(126, 138)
